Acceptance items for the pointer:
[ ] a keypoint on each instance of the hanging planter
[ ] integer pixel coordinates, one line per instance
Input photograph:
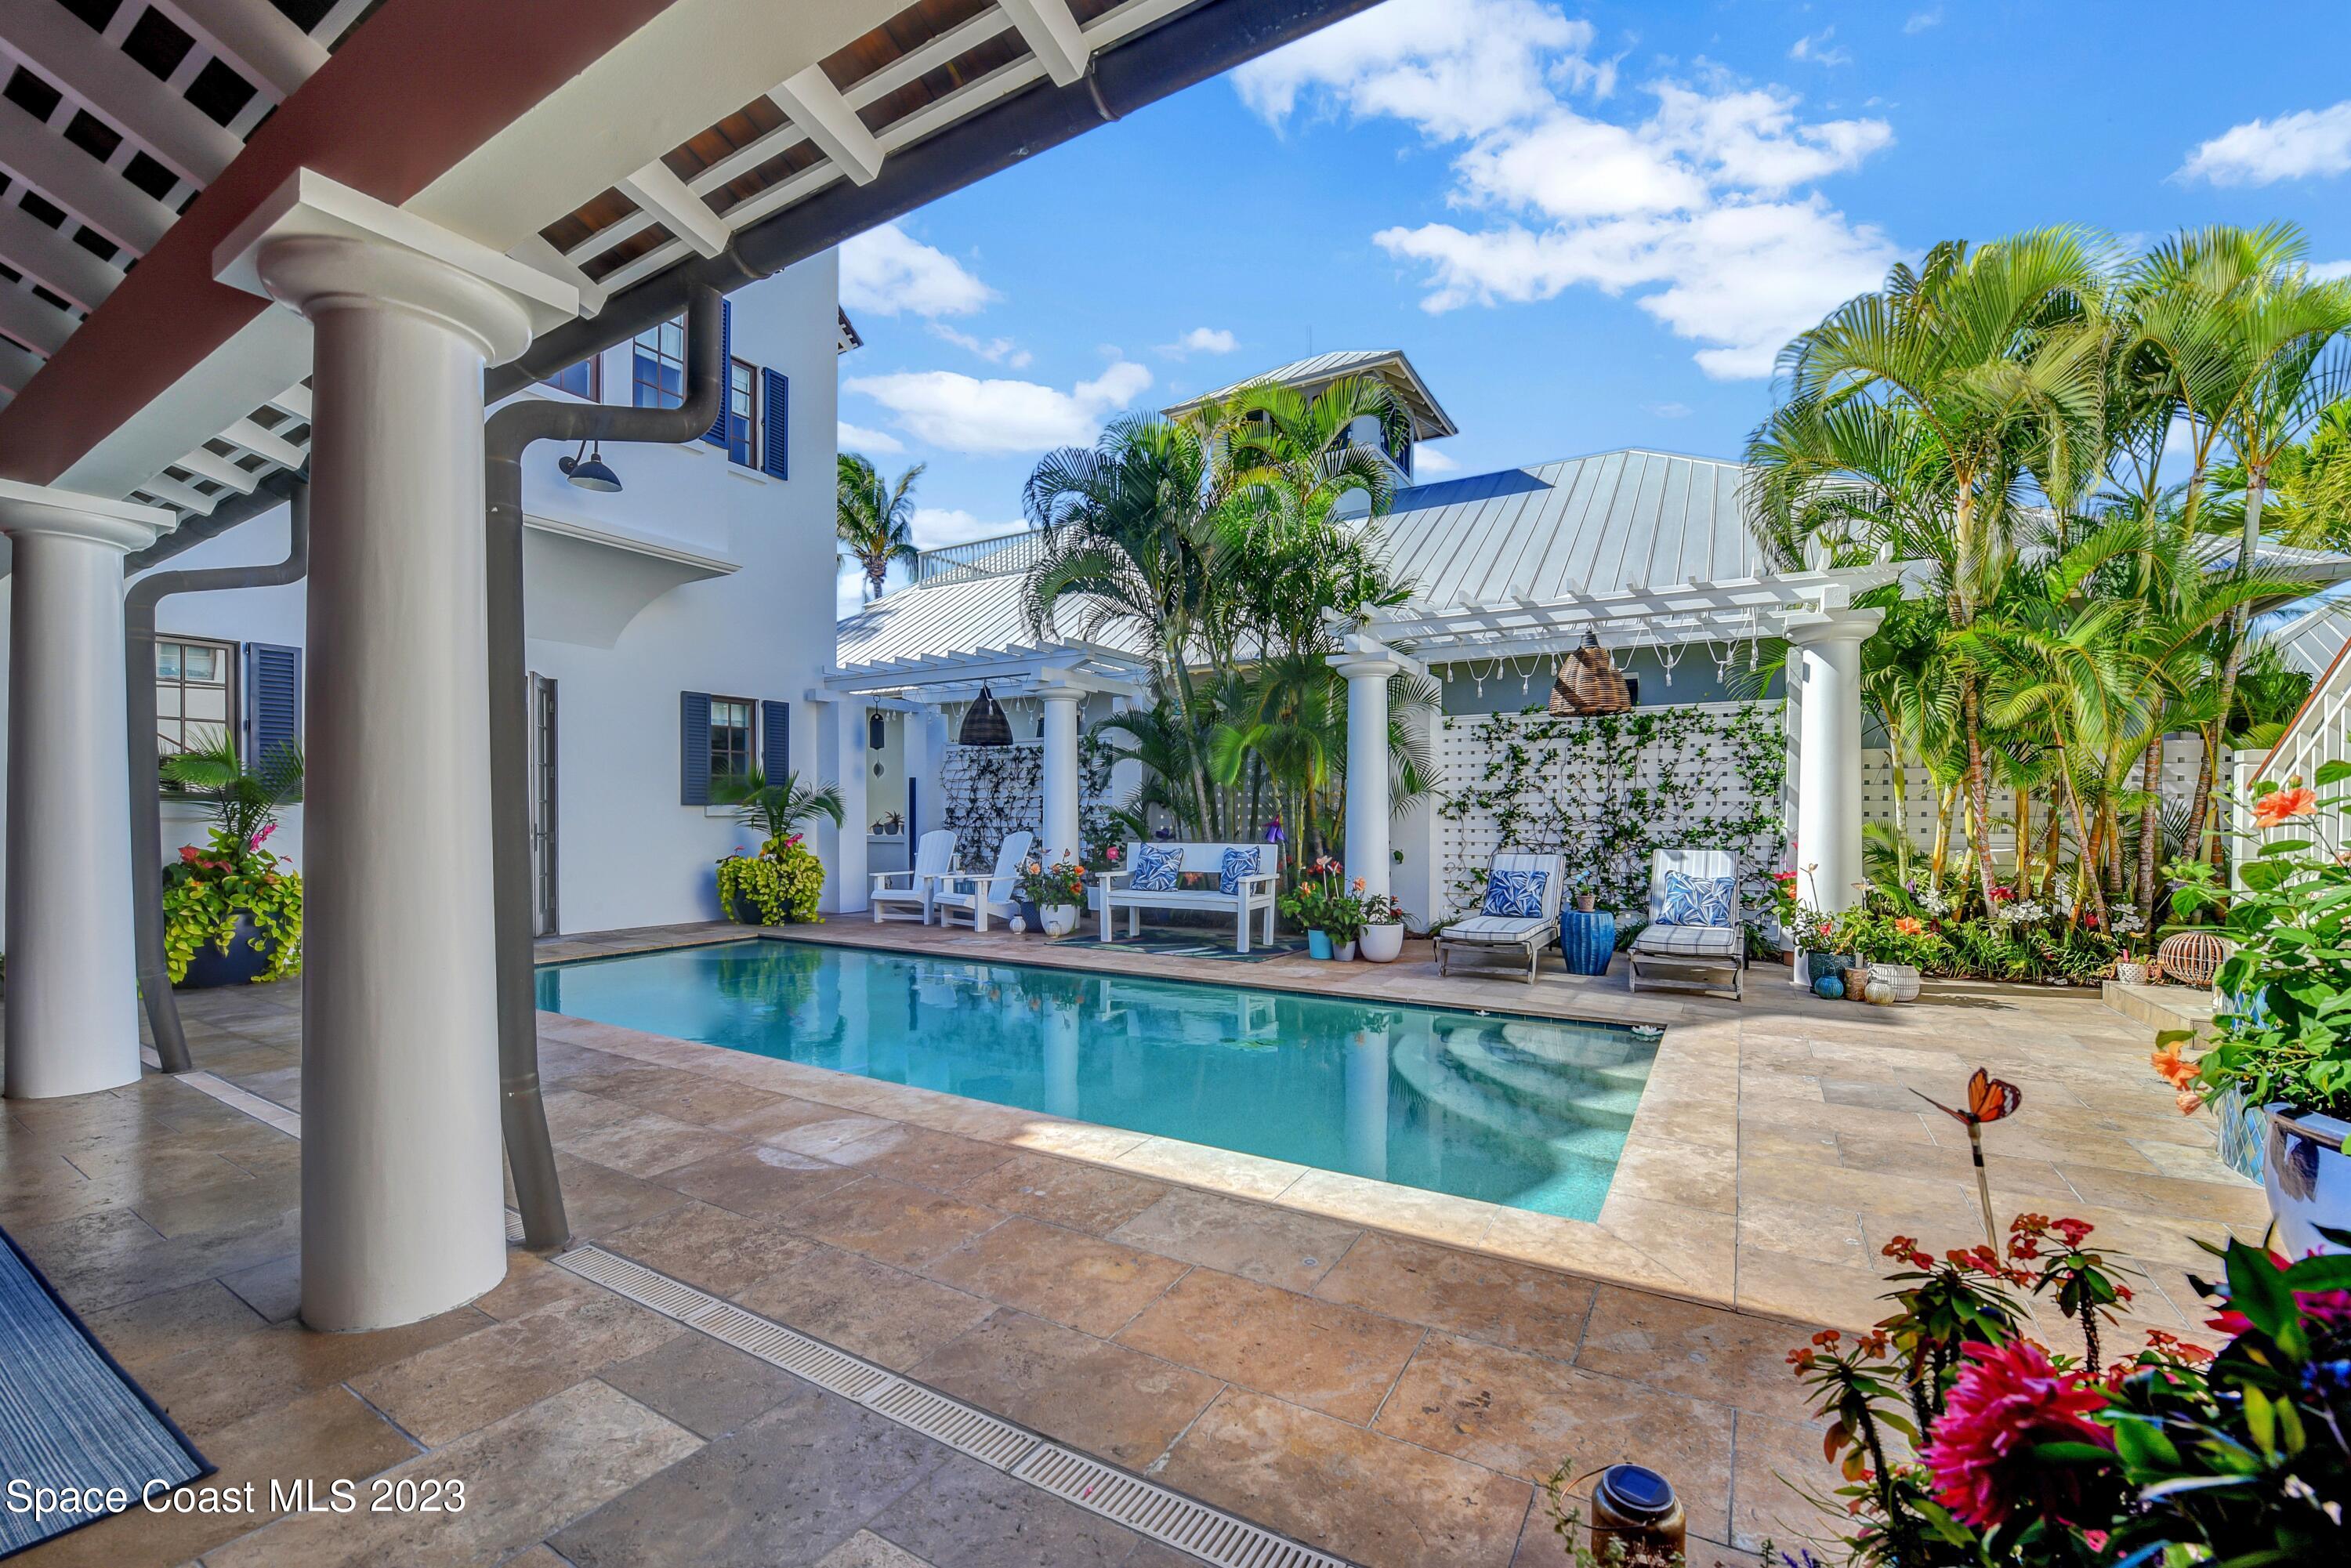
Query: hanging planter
(985, 724)
(1589, 683)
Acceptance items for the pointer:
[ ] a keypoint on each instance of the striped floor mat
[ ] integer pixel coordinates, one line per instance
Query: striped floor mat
(78, 1440)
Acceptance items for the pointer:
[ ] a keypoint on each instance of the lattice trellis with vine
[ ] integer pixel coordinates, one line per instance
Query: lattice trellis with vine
(991, 790)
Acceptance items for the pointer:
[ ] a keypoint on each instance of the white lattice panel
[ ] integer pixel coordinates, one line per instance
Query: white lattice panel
(2182, 755)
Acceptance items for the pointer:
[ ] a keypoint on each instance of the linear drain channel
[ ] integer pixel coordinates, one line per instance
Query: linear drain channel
(1165, 1516)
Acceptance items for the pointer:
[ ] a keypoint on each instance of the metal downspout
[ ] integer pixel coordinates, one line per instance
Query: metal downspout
(529, 1150)
(139, 604)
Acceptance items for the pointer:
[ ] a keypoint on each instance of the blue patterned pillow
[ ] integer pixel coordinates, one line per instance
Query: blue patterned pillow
(1695, 900)
(1516, 895)
(1239, 863)
(1156, 867)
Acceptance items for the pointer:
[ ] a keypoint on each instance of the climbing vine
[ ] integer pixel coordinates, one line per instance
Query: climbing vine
(992, 791)
(1605, 791)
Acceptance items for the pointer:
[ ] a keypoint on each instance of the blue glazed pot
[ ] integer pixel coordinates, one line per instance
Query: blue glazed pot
(248, 955)
(1317, 945)
(2308, 1178)
(1588, 939)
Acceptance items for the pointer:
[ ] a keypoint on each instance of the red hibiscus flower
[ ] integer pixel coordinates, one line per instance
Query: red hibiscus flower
(2010, 1400)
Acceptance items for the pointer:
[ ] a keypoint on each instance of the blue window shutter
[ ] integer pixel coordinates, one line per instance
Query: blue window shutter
(694, 748)
(717, 433)
(776, 395)
(273, 699)
(774, 739)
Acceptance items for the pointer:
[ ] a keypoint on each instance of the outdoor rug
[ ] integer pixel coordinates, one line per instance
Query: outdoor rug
(1192, 945)
(72, 1421)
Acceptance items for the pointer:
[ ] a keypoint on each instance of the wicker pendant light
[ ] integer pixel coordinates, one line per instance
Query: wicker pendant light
(984, 722)
(1589, 683)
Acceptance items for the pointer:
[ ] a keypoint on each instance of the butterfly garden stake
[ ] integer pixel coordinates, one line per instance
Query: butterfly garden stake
(1989, 1100)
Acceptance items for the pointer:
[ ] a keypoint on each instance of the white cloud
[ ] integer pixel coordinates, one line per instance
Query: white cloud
(1201, 340)
(934, 528)
(848, 593)
(1670, 409)
(1921, 20)
(857, 438)
(1703, 211)
(995, 350)
(1816, 48)
(1426, 459)
(2264, 151)
(2324, 271)
(963, 413)
(886, 271)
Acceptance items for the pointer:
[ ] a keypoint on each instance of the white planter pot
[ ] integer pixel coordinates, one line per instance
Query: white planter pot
(1058, 919)
(2130, 972)
(2308, 1178)
(1382, 944)
(1346, 952)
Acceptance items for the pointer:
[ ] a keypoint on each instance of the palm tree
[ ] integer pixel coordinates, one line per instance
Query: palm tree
(775, 808)
(245, 799)
(873, 518)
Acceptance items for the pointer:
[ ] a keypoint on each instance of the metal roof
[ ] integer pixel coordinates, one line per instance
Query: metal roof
(952, 618)
(1309, 375)
(2310, 639)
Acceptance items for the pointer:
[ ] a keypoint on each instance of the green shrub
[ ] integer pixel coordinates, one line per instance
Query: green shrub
(205, 891)
(779, 886)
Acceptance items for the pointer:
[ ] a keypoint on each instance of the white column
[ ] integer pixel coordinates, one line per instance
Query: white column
(73, 987)
(1828, 789)
(849, 766)
(401, 1151)
(1418, 881)
(1368, 809)
(1060, 836)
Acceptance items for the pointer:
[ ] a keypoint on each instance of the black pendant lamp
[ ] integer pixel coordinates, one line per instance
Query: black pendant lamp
(984, 722)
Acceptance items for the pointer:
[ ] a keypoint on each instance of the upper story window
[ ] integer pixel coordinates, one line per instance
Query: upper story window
(730, 737)
(193, 689)
(584, 379)
(742, 413)
(659, 361)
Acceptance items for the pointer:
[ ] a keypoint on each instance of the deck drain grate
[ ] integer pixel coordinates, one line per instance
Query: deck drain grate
(957, 1424)
(1168, 1517)
(514, 1226)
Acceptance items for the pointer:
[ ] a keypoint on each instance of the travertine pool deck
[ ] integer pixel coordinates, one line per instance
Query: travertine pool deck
(1382, 1372)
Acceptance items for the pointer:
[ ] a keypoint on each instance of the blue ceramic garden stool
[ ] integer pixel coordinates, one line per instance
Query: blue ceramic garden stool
(1588, 939)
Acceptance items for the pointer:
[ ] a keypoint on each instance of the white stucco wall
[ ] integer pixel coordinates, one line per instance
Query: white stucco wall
(628, 852)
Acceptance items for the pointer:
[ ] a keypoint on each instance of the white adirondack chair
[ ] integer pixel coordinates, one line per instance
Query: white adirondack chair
(991, 896)
(934, 854)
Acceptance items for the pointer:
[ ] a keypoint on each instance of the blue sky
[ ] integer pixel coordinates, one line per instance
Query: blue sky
(1590, 227)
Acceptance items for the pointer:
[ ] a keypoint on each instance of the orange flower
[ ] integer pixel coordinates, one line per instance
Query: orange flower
(2282, 805)
(2173, 1068)
(1909, 925)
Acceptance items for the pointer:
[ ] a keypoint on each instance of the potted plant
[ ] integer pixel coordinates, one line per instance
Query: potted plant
(1585, 898)
(781, 882)
(1059, 892)
(2284, 1035)
(1314, 901)
(2131, 966)
(1784, 911)
(233, 910)
(1383, 938)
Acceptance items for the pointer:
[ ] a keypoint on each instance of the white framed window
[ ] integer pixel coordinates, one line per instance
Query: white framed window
(195, 694)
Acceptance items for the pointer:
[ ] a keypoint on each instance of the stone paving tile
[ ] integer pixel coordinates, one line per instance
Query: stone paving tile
(882, 1314)
(272, 1289)
(450, 1389)
(705, 1387)
(970, 1515)
(1466, 1293)
(1819, 1233)
(598, 1199)
(920, 1156)
(1255, 1241)
(758, 1180)
(820, 1138)
(719, 1250)
(1082, 1282)
(645, 1144)
(1702, 1352)
(1065, 1192)
(867, 1550)
(1110, 1400)
(1772, 1460)
(1526, 1417)
(1369, 1499)
(780, 1113)
(532, 1285)
(782, 1490)
(890, 1220)
(524, 1475)
(1333, 1358)
(207, 1315)
(208, 1388)
(1251, 1175)
(1411, 1211)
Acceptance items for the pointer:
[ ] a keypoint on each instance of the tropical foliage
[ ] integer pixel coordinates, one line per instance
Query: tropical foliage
(779, 886)
(207, 892)
(873, 518)
(2000, 414)
(777, 807)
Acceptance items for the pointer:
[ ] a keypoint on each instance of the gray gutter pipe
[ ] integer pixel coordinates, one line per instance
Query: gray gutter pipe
(146, 804)
(1133, 74)
(529, 1150)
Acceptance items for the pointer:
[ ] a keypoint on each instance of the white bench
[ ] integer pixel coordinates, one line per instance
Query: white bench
(1257, 891)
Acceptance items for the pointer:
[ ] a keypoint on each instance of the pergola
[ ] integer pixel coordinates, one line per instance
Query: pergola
(1060, 675)
(1811, 610)
(409, 210)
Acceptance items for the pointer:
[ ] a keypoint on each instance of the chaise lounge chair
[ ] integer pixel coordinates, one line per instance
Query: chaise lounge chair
(934, 857)
(991, 896)
(1527, 886)
(1694, 935)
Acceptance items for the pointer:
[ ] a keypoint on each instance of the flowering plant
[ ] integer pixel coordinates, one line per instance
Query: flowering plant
(206, 892)
(1322, 900)
(2023, 1456)
(1380, 909)
(1063, 882)
(781, 885)
(2285, 1033)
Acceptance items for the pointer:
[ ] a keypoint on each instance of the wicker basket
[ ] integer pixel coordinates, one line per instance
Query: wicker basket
(2193, 957)
(1589, 683)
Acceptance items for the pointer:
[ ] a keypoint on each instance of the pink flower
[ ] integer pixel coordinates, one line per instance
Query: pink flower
(2324, 1306)
(254, 842)
(2010, 1400)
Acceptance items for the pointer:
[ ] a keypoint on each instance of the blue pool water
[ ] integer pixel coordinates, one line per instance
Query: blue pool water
(1525, 1111)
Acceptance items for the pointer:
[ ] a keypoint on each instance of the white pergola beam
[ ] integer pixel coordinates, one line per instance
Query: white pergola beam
(658, 190)
(811, 101)
(258, 38)
(535, 251)
(52, 259)
(295, 400)
(163, 488)
(17, 365)
(252, 438)
(1051, 33)
(33, 321)
(119, 90)
(74, 179)
(209, 465)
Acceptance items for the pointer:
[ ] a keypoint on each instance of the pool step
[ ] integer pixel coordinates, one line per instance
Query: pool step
(1605, 1097)
(1571, 1139)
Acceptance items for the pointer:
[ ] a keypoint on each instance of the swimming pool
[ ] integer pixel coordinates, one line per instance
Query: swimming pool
(1530, 1113)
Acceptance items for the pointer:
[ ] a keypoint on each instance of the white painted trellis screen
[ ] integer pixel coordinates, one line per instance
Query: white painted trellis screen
(2182, 755)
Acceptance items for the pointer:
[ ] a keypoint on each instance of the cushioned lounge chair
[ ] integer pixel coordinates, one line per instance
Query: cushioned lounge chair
(1521, 937)
(1712, 952)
